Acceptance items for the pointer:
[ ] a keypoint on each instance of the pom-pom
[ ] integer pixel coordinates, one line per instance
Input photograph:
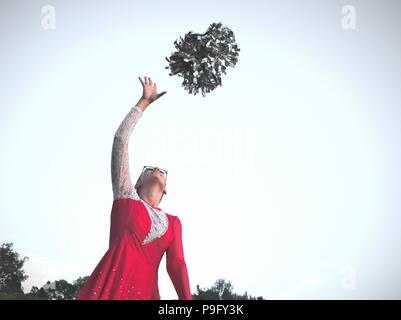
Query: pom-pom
(201, 58)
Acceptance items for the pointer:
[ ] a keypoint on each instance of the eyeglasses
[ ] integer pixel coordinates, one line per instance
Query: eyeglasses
(145, 168)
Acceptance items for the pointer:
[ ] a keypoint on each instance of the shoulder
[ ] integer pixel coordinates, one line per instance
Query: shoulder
(175, 221)
(172, 217)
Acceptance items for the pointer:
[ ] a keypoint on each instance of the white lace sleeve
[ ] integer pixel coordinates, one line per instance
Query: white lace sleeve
(120, 175)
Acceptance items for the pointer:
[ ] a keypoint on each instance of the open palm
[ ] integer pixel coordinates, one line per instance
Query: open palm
(150, 90)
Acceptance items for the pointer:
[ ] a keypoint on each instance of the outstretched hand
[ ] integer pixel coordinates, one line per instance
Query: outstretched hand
(150, 90)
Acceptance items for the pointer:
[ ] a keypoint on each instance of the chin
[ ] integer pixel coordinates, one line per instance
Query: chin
(159, 180)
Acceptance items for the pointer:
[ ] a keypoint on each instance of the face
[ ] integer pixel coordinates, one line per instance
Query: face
(150, 176)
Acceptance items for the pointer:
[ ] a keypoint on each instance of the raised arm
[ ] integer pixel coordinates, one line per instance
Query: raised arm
(176, 266)
(120, 175)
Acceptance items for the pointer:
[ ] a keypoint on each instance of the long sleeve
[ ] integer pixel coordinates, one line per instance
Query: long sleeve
(176, 266)
(120, 175)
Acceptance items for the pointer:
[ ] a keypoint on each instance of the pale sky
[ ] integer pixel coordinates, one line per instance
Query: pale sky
(286, 178)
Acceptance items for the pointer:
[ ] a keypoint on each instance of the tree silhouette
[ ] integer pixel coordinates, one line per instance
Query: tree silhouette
(11, 273)
(58, 290)
(221, 290)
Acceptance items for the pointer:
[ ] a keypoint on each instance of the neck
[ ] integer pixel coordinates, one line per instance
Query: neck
(151, 195)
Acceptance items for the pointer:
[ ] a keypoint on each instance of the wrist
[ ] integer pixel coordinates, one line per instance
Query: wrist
(143, 104)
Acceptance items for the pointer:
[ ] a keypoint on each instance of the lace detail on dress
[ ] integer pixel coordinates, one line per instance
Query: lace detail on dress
(120, 175)
(159, 223)
(158, 218)
(134, 196)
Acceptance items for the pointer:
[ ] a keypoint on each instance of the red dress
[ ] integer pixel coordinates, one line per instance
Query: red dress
(139, 236)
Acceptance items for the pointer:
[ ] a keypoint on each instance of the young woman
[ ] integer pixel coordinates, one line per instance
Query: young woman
(140, 232)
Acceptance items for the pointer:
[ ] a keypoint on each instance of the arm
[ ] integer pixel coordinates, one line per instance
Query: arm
(176, 266)
(120, 175)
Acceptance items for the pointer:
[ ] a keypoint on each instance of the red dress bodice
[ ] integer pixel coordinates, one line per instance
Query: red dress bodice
(129, 268)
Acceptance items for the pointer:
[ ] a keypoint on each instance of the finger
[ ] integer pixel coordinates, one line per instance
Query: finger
(141, 80)
(150, 81)
(146, 80)
(160, 94)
